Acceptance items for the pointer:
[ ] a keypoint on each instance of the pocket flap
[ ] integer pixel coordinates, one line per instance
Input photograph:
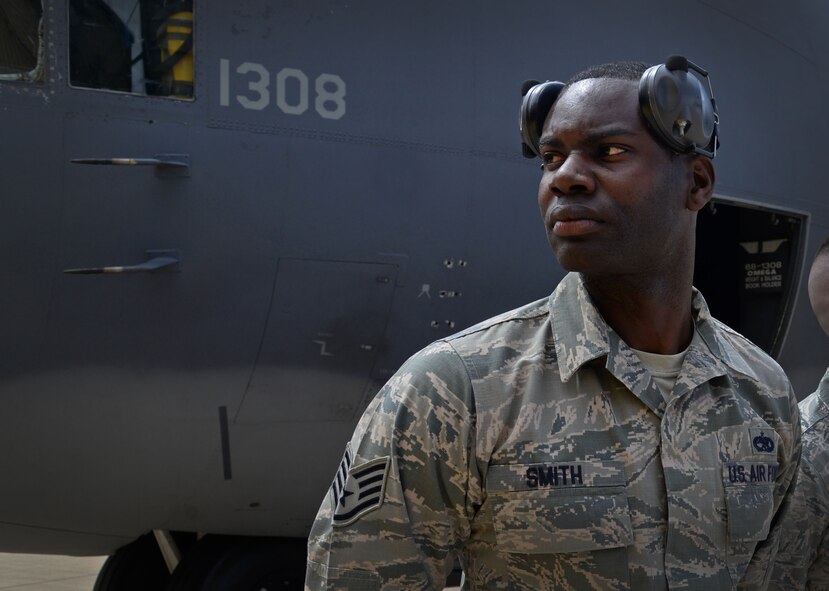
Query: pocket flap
(551, 508)
(749, 500)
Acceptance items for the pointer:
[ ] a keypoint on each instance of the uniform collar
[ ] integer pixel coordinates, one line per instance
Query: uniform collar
(823, 388)
(815, 408)
(581, 335)
(579, 331)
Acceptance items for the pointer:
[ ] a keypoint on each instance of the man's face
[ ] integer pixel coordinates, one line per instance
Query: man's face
(611, 197)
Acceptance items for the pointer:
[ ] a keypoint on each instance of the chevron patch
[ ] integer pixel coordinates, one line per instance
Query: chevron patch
(358, 490)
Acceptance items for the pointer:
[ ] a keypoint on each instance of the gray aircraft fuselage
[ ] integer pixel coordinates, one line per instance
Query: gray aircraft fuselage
(344, 186)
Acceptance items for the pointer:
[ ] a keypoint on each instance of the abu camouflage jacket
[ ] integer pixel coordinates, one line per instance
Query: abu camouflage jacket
(803, 561)
(536, 448)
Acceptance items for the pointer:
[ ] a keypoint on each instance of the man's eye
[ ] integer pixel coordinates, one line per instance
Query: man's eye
(612, 150)
(551, 158)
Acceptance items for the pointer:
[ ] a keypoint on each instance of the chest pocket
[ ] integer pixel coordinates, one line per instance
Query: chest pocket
(553, 508)
(749, 504)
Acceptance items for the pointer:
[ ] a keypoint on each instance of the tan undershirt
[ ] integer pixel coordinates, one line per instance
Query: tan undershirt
(664, 369)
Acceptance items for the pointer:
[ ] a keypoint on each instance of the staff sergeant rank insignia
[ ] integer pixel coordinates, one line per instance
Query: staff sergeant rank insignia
(358, 490)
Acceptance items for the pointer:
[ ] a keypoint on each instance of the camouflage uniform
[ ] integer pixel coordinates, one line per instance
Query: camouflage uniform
(804, 549)
(536, 448)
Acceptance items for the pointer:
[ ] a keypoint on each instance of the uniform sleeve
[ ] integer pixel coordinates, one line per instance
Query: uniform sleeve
(817, 579)
(760, 571)
(404, 493)
(803, 560)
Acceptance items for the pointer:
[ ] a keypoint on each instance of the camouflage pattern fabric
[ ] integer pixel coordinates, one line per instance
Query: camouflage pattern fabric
(803, 561)
(536, 448)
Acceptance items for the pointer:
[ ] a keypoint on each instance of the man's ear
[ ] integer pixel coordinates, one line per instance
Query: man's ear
(702, 183)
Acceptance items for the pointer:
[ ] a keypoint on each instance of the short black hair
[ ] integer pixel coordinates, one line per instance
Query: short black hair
(624, 70)
(616, 70)
(631, 71)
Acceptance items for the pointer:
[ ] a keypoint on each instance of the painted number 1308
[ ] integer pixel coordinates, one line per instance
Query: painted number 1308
(291, 90)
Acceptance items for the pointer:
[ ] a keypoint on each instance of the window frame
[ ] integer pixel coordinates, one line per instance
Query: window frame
(35, 74)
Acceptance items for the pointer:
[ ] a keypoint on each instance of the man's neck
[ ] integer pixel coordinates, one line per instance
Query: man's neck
(649, 315)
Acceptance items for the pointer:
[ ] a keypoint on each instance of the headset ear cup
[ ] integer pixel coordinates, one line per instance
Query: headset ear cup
(535, 106)
(660, 101)
(678, 108)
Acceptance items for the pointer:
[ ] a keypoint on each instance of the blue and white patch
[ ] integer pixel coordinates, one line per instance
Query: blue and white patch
(763, 441)
(359, 489)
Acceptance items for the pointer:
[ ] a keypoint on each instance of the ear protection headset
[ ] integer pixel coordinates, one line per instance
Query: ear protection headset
(677, 107)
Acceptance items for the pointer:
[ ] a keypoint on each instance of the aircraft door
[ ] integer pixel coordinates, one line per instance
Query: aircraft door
(748, 265)
(99, 337)
(20, 42)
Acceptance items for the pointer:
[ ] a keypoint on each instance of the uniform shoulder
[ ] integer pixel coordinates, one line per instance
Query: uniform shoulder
(451, 353)
(755, 359)
(454, 363)
(527, 316)
(814, 412)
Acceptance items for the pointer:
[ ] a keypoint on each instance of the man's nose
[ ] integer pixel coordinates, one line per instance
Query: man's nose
(573, 176)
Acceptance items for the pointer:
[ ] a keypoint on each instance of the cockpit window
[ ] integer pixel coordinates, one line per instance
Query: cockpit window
(21, 55)
(137, 46)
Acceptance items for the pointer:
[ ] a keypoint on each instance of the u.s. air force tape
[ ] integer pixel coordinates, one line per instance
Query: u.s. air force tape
(358, 489)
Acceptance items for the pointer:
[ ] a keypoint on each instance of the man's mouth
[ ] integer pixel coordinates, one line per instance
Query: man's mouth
(574, 220)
